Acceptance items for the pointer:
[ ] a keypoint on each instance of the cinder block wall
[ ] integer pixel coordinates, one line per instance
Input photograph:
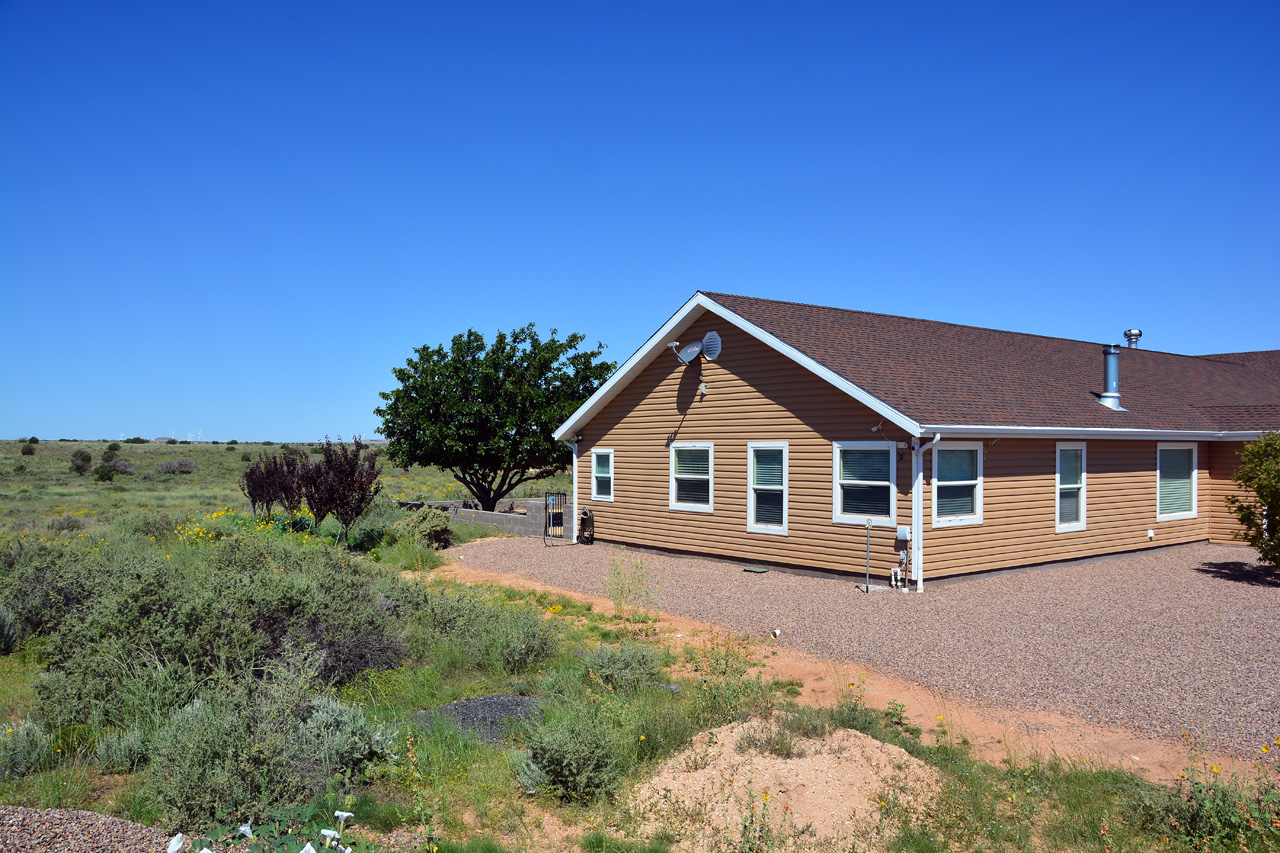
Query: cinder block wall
(529, 524)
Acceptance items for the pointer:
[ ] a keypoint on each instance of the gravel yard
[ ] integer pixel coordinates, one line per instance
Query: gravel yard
(1177, 639)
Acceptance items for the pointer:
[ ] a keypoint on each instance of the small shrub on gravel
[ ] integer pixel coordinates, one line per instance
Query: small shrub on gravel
(623, 667)
(176, 466)
(427, 526)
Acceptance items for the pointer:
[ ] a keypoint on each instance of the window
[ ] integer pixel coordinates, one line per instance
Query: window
(692, 465)
(865, 483)
(602, 475)
(1070, 502)
(957, 483)
(1176, 484)
(767, 487)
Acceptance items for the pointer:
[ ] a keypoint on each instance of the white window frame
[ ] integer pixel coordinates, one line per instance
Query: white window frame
(752, 526)
(1195, 479)
(838, 517)
(1072, 527)
(958, 520)
(710, 447)
(613, 478)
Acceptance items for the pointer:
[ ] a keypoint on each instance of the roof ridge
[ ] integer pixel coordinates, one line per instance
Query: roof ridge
(713, 295)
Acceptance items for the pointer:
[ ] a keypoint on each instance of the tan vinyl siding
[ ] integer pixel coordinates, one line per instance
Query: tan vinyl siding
(754, 395)
(1018, 508)
(757, 395)
(1224, 459)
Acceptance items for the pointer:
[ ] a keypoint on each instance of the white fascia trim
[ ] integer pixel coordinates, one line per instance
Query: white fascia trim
(685, 317)
(978, 431)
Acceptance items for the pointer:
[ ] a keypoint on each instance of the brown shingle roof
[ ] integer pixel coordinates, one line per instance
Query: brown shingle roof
(942, 373)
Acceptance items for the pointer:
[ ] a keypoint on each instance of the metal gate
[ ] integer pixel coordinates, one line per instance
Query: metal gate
(553, 526)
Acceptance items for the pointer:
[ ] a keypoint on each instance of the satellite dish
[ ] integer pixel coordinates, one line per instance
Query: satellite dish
(690, 352)
(711, 345)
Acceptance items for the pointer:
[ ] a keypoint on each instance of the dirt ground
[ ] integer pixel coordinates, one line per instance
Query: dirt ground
(996, 733)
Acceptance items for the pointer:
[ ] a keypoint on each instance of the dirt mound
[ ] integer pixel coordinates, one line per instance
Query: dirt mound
(833, 788)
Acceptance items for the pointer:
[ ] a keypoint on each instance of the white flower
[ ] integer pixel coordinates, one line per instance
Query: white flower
(175, 843)
(246, 830)
(342, 816)
(308, 849)
(330, 836)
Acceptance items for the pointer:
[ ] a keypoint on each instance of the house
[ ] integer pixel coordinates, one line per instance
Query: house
(798, 434)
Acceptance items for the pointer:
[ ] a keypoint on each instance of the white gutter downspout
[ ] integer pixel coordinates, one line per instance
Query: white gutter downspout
(573, 533)
(917, 509)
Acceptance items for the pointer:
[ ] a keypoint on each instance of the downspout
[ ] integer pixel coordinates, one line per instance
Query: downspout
(917, 509)
(573, 445)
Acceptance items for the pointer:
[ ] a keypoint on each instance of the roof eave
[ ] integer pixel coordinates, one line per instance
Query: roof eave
(992, 431)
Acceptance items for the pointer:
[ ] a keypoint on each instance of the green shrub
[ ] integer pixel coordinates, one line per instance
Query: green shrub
(104, 474)
(340, 737)
(518, 638)
(246, 457)
(252, 747)
(574, 746)
(427, 526)
(624, 667)
(233, 441)
(28, 450)
(19, 469)
(33, 440)
(172, 441)
(113, 446)
(121, 750)
(9, 631)
(81, 462)
(109, 456)
(230, 448)
(137, 439)
(176, 466)
(25, 747)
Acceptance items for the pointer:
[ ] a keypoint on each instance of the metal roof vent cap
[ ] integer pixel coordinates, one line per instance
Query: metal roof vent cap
(1132, 336)
(1111, 368)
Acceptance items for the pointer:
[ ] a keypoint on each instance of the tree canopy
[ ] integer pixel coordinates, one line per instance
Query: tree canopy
(1259, 512)
(486, 413)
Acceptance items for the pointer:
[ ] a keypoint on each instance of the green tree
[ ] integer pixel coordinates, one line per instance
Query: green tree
(1259, 512)
(81, 462)
(486, 413)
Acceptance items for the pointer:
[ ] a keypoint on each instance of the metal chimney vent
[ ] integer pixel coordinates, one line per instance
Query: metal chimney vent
(1111, 372)
(1132, 336)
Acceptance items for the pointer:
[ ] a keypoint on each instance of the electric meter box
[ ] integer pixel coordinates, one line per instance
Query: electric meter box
(904, 532)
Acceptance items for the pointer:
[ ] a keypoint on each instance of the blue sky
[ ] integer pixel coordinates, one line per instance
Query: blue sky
(237, 218)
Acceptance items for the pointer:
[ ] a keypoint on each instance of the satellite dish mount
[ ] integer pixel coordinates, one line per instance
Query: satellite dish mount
(687, 353)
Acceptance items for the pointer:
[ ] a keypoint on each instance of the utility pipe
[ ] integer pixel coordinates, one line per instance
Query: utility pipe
(573, 445)
(917, 508)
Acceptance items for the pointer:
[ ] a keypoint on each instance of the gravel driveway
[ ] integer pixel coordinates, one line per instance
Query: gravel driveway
(1185, 638)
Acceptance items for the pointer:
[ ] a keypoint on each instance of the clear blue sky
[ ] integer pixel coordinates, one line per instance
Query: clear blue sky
(238, 217)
